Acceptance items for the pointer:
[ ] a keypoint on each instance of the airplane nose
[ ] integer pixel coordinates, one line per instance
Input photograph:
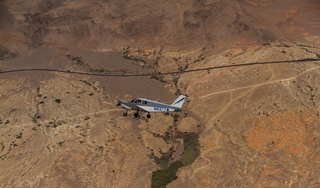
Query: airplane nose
(118, 103)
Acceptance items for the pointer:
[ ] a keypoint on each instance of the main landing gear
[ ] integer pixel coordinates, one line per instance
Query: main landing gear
(136, 114)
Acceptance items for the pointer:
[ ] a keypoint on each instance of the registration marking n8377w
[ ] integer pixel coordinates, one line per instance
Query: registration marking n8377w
(161, 109)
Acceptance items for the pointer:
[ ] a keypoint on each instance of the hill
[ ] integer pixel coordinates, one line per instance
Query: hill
(242, 126)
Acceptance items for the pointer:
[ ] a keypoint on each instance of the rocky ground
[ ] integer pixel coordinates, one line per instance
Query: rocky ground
(248, 126)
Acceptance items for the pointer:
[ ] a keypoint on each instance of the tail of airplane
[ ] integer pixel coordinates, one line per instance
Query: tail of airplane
(179, 101)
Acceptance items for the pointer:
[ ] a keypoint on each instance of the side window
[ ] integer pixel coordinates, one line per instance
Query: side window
(138, 101)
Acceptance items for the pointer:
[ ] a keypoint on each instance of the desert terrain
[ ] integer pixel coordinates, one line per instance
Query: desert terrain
(256, 125)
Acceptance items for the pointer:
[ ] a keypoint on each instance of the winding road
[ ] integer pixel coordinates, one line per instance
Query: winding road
(159, 74)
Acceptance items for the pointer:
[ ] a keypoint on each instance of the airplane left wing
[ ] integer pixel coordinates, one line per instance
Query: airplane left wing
(130, 106)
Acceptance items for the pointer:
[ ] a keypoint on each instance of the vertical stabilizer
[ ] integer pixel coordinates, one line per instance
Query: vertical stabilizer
(179, 101)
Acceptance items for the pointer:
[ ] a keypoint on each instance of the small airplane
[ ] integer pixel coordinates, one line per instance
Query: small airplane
(146, 105)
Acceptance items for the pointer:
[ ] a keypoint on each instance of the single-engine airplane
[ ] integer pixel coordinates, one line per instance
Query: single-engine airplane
(146, 105)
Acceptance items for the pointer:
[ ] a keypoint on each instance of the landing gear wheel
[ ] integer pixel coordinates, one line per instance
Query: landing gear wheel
(136, 114)
(148, 116)
(125, 114)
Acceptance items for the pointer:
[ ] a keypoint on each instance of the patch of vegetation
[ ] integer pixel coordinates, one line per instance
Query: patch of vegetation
(19, 136)
(34, 119)
(156, 63)
(61, 143)
(2, 147)
(175, 118)
(159, 78)
(76, 59)
(86, 82)
(2, 157)
(176, 59)
(161, 178)
(58, 100)
(138, 61)
(282, 45)
(99, 70)
(55, 123)
(175, 82)
(200, 58)
(126, 53)
(5, 53)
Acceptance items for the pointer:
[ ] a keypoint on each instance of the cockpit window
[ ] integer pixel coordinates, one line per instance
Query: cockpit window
(138, 101)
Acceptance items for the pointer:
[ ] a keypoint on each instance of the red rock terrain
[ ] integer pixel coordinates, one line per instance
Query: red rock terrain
(255, 126)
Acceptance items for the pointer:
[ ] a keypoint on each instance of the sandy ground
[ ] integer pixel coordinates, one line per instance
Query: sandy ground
(258, 125)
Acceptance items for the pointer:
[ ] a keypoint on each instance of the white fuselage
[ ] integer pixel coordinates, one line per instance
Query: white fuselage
(148, 106)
